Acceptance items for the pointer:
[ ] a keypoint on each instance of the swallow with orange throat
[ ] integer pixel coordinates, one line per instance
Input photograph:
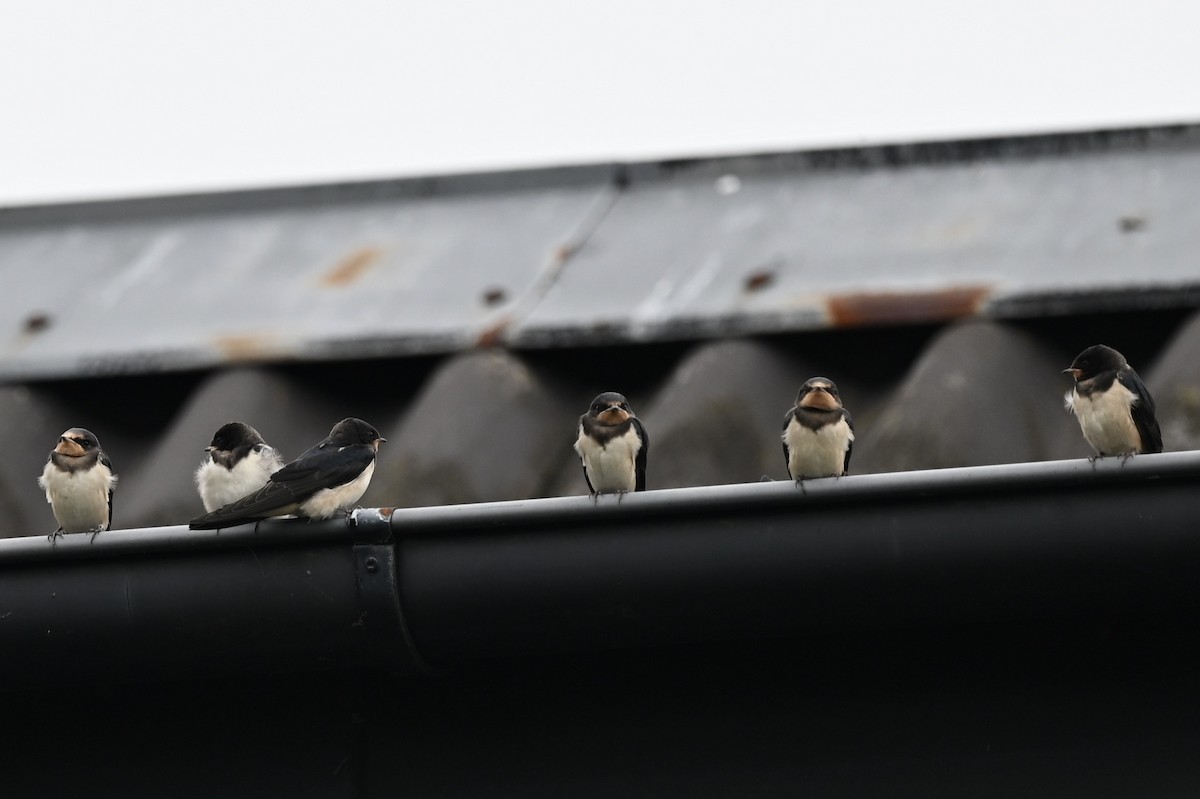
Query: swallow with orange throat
(613, 446)
(818, 434)
(78, 480)
(1113, 405)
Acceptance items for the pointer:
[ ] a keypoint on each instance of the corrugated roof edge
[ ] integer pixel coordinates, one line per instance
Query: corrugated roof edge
(619, 174)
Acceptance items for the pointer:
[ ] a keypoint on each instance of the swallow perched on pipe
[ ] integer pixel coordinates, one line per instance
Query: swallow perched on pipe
(612, 445)
(237, 462)
(818, 434)
(328, 477)
(1113, 405)
(78, 480)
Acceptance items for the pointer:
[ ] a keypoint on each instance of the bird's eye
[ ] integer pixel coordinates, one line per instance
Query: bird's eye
(624, 406)
(597, 407)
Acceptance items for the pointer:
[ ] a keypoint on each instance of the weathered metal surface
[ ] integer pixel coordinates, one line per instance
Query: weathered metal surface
(205, 287)
(770, 249)
(597, 256)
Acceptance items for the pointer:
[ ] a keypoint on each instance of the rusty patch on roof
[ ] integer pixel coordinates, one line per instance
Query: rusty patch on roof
(352, 267)
(248, 347)
(493, 335)
(758, 280)
(37, 321)
(852, 310)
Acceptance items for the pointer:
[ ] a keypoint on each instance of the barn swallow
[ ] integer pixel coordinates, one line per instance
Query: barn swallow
(1113, 405)
(613, 445)
(236, 463)
(79, 481)
(818, 434)
(329, 477)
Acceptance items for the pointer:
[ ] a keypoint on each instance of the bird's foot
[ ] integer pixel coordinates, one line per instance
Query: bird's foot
(621, 495)
(95, 531)
(53, 537)
(595, 498)
(1126, 457)
(800, 485)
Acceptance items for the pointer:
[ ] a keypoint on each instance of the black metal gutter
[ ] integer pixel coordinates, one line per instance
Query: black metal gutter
(168, 602)
(400, 589)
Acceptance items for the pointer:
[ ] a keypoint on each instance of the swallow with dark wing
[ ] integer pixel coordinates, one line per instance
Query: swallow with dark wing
(613, 445)
(237, 462)
(818, 434)
(328, 478)
(1113, 405)
(78, 480)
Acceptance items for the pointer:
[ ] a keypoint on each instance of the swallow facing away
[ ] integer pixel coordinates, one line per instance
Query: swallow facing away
(329, 477)
(1113, 405)
(613, 445)
(79, 481)
(237, 462)
(818, 434)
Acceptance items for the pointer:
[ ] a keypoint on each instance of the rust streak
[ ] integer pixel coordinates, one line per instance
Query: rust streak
(758, 280)
(37, 322)
(493, 336)
(853, 310)
(352, 267)
(245, 348)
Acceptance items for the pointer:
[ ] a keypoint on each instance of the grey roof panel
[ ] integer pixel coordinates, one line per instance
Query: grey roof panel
(199, 289)
(767, 250)
(562, 257)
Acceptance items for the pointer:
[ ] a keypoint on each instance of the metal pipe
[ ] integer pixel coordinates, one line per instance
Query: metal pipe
(996, 543)
(399, 588)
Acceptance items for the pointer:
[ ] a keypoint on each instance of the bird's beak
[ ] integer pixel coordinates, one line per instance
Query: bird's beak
(613, 414)
(69, 446)
(819, 397)
(1073, 372)
(209, 449)
(378, 441)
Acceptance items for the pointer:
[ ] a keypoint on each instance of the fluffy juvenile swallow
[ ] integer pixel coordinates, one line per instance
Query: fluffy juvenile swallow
(818, 434)
(1113, 405)
(237, 462)
(329, 477)
(78, 480)
(613, 445)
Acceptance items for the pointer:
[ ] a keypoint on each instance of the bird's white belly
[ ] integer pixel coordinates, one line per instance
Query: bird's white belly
(817, 453)
(78, 499)
(220, 486)
(328, 501)
(610, 467)
(1106, 420)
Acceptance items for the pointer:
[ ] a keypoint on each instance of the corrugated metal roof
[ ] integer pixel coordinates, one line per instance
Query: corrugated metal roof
(596, 256)
(627, 279)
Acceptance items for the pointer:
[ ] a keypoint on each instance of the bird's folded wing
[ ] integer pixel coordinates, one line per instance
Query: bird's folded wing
(1144, 418)
(849, 444)
(327, 469)
(294, 483)
(639, 464)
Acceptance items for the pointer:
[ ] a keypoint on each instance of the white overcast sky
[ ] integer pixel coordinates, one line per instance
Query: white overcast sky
(109, 98)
